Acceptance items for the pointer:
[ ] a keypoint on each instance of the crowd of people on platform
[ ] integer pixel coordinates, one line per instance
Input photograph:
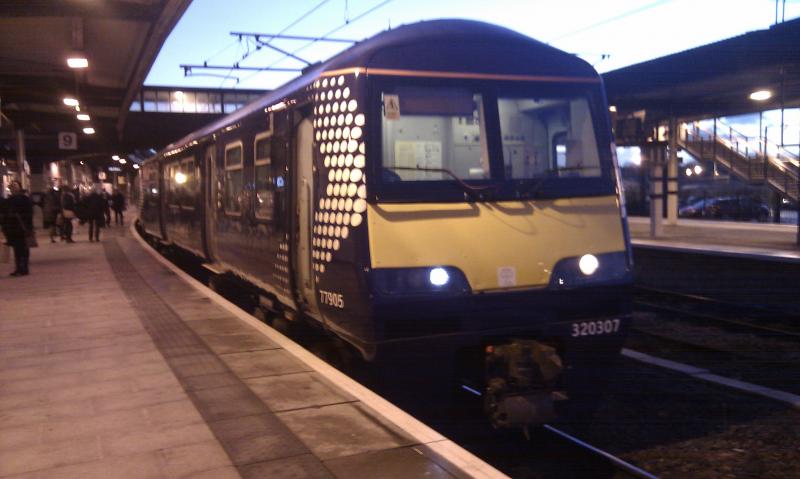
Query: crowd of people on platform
(60, 208)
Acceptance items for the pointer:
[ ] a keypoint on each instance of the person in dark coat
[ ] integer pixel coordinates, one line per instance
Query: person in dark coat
(118, 201)
(67, 213)
(50, 213)
(17, 224)
(106, 207)
(95, 213)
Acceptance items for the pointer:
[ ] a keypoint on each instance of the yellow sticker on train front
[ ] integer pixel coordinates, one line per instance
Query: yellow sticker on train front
(482, 238)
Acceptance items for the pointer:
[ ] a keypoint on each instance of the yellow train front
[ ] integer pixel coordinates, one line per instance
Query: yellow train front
(472, 206)
(447, 186)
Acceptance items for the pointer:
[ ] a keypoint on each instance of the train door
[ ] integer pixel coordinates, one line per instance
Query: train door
(304, 186)
(211, 193)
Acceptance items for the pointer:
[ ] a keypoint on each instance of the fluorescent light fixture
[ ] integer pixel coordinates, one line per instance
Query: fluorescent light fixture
(115, 157)
(70, 101)
(761, 95)
(77, 62)
(89, 130)
(122, 161)
(83, 117)
(588, 264)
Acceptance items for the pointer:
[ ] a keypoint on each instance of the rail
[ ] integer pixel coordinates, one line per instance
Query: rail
(617, 462)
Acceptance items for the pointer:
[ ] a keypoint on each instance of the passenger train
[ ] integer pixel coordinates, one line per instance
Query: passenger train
(447, 183)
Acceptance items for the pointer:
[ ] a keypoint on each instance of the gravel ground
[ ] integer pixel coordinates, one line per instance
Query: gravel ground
(675, 426)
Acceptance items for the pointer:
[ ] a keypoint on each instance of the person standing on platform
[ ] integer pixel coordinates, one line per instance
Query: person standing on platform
(50, 212)
(18, 225)
(67, 213)
(95, 212)
(118, 201)
(106, 207)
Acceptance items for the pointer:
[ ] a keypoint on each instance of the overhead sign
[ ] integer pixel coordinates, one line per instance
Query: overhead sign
(67, 141)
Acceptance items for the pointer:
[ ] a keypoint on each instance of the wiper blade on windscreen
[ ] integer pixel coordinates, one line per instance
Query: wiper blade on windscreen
(538, 183)
(467, 187)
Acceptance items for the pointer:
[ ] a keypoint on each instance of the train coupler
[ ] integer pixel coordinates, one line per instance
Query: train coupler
(521, 379)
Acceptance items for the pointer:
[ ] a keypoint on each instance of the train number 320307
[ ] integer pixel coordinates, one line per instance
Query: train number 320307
(594, 328)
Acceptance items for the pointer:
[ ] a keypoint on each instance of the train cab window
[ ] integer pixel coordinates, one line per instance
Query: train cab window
(233, 179)
(546, 136)
(432, 134)
(264, 184)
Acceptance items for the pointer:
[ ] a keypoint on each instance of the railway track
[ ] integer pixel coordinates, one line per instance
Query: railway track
(750, 319)
(620, 466)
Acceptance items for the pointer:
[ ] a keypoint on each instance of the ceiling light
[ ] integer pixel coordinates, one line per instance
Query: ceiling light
(70, 101)
(135, 166)
(122, 161)
(83, 117)
(115, 157)
(612, 109)
(89, 130)
(77, 62)
(761, 95)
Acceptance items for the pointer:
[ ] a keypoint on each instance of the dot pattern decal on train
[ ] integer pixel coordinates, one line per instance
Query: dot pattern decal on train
(282, 266)
(339, 139)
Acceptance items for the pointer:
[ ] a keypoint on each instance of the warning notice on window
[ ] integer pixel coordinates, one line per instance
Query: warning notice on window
(391, 107)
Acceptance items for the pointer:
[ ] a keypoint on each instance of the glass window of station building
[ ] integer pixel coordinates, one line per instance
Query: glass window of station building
(767, 142)
(166, 100)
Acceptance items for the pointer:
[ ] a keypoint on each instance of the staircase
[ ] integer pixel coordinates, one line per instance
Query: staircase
(753, 159)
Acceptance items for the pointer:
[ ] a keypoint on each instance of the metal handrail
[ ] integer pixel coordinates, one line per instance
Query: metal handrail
(743, 148)
(781, 171)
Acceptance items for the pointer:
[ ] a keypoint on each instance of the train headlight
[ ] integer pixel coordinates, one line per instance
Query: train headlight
(439, 277)
(591, 269)
(588, 264)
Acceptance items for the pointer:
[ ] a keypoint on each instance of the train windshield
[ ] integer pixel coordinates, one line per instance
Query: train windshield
(444, 142)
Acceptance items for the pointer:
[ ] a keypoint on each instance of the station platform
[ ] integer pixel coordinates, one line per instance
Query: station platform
(113, 363)
(759, 241)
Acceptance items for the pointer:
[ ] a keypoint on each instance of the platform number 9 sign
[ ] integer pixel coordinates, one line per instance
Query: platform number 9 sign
(67, 141)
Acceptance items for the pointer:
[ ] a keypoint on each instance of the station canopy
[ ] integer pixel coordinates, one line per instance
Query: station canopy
(118, 38)
(713, 80)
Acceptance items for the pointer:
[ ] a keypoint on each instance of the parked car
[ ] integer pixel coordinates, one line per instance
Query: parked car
(735, 208)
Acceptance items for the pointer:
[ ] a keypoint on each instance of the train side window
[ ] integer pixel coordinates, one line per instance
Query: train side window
(190, 184)
(264, 184)
(232, 197)
(174, 184)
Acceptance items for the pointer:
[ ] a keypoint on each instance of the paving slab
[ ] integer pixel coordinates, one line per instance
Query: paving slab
(114, 365)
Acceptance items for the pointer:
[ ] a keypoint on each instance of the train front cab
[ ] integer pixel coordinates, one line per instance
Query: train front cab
(493, 226)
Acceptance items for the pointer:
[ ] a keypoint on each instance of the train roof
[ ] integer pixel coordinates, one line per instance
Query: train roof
(465, 46)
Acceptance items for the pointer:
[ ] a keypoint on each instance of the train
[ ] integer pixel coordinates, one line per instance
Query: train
(448, 185)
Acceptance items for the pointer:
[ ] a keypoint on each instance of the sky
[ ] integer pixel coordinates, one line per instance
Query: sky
(609, 34)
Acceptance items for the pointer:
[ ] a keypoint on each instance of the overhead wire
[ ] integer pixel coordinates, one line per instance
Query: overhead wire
(295, 22)
(611, 19)
(326, 35)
